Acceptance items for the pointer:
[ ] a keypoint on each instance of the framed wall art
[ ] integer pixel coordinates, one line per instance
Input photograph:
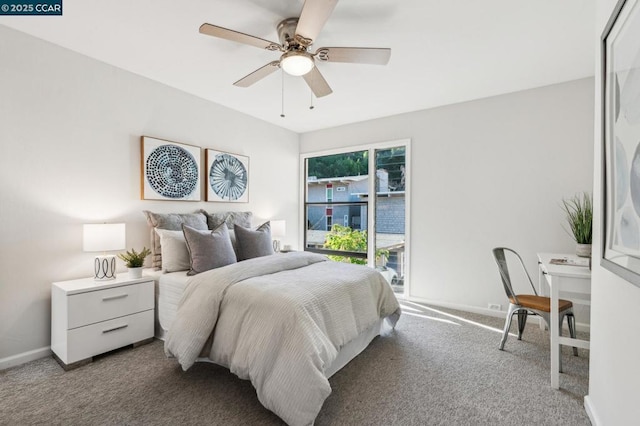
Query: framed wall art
(227, 177)
(170, 170)
(621, 137)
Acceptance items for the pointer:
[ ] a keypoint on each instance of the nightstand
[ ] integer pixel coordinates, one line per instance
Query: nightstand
(91, 317)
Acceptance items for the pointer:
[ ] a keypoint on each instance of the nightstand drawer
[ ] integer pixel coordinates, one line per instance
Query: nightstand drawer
(85, 342)
(95, 306)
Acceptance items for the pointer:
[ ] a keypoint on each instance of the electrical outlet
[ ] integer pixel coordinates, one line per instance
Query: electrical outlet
(495, 307)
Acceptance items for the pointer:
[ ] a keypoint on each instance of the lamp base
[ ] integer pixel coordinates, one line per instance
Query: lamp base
(105, 268)
(276, 245)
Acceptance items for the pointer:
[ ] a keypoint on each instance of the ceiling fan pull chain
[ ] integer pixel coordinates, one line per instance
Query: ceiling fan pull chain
(282, 110)
(311, 106)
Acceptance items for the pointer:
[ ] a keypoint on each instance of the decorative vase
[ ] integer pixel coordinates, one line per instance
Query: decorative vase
(135, 272)
(583, 250)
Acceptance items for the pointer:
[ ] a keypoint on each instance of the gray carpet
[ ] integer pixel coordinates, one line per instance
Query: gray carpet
(440, 367)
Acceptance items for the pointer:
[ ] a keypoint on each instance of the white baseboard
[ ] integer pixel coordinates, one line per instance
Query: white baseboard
(583, 327)
(458, 307)
(476, 310)
(24, 357)
(588, 406)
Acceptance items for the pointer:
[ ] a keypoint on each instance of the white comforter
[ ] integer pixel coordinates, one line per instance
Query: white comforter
(280, 321)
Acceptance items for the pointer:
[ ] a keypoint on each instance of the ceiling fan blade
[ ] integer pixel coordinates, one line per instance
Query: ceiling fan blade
(360, 55)
(216, 31)
(258, 74)
(313, 17)
(317, 83)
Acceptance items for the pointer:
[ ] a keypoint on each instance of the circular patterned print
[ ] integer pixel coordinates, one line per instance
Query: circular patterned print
(628, 228)
(622, 175)
(172, 171)
(617, 97)
(228, 177)
(634, 180)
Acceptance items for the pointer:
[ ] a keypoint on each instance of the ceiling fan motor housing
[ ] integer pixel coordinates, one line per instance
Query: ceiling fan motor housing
(288, 38)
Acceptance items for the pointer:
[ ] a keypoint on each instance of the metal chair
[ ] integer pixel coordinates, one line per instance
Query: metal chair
(525, 304)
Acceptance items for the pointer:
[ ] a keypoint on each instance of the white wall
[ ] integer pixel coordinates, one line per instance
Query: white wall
(70, 128)
(614, 370)
(486, 173)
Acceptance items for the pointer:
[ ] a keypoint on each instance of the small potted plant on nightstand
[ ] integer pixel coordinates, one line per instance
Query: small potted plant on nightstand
(134, 261)
(579, 210)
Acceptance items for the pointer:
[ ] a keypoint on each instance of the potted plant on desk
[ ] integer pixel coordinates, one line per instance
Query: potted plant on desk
(579, 210)
(134, 261)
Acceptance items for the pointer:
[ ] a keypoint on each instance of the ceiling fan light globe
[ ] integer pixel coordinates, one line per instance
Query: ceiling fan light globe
(296, 64)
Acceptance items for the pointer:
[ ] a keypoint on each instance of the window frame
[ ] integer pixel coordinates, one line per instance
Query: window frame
(370, 203)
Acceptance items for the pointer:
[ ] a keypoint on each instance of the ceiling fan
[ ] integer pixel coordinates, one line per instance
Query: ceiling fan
(296, 35)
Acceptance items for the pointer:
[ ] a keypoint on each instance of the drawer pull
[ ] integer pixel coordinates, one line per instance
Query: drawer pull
(118, 296)
(120, 327)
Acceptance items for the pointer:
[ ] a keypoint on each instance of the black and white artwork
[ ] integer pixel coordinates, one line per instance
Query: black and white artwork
(170, 170)
(227, 177)
(621, 124)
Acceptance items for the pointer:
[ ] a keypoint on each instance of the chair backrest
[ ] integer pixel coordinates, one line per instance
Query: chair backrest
(501, 260)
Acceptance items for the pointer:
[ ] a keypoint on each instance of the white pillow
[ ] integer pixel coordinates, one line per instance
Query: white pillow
(175, 254)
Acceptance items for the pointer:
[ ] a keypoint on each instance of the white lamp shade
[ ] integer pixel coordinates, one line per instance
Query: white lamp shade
(278, 228)
(296, 63)
(103, 237)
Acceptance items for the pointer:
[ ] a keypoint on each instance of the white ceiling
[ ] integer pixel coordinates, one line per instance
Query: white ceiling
(443, 51)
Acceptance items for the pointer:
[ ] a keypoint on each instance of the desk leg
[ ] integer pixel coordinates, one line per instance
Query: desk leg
(541, 292)
(554, 331)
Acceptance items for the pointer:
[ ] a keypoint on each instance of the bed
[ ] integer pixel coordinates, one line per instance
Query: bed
(286, 322)
(169, 287)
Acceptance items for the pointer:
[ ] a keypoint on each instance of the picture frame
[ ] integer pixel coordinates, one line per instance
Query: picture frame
(620, 44)
(227, 177)
(170, 170)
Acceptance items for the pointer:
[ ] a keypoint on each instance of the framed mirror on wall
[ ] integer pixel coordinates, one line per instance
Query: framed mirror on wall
(621, 136)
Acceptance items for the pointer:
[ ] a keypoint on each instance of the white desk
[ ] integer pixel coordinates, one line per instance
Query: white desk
(562, 277)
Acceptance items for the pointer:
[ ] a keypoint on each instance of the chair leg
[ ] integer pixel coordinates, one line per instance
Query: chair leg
(507, 324)
(522, 321)
(571, 322)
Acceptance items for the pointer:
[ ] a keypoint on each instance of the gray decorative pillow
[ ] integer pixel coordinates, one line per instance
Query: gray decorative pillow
(175, 255)
(232, 235)
(208, 249)
(251, 243)
(172, 221)
(232, 219)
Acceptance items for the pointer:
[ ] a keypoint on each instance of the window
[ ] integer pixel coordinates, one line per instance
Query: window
(371, 199)
(321, 204)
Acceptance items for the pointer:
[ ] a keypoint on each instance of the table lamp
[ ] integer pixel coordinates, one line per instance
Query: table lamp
(104, 237)
(278, 230)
